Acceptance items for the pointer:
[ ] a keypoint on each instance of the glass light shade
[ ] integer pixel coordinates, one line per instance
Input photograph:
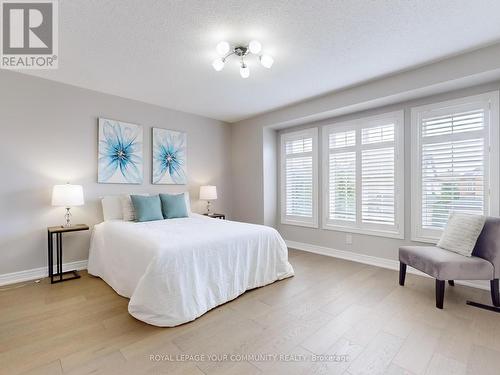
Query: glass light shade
(266, 61)
(218, 64)
(244, 71)
(255, 47)
(222, 48)
(208, 192)
(67, 195)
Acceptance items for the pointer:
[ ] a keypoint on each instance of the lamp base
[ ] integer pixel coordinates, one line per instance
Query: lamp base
(67, 217)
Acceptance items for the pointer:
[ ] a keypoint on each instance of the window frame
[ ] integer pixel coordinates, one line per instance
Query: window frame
(397, 231)
(313, 222)
(490, 102)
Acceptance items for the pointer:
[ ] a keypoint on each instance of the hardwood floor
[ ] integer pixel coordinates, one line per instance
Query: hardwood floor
(355, 314)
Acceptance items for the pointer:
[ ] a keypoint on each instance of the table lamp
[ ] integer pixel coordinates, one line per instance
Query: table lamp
(67, 196)
(208, 193)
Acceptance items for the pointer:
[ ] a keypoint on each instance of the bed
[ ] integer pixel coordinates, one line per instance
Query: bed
(175, 270)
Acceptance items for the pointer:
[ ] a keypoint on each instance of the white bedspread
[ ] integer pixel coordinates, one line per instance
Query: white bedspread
(175, 270)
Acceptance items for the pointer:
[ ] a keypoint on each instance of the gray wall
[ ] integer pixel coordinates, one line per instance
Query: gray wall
(247, 173)
(248, 137)
(270, 171)
(49, 136)
(253, 179)
(368, 244)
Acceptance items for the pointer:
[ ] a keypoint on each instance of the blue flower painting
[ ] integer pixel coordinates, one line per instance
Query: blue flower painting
(120, 152)
(169, 157)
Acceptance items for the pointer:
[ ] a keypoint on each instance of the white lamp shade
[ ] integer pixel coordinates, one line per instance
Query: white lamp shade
(218, 64)
(244, 71)
(222, 48)
(67, 195)
(208, 192)
(266, 61)
(255, 47)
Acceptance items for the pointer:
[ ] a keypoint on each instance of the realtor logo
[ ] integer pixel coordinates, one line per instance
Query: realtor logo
(29, 34)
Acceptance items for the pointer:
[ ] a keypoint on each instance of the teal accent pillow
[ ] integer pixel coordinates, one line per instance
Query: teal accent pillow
(147, 208)
(173, 206)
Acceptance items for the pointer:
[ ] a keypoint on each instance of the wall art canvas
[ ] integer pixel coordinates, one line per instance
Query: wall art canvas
(169, 157)
(120, 159)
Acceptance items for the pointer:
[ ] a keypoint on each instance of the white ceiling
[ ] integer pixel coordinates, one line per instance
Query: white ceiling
(160, 52)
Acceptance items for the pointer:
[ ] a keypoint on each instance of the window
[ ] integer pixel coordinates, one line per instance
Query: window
(454, 161)
(363, 175)
(299, 176)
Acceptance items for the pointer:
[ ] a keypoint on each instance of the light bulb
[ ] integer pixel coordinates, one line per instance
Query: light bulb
(266, 61)
(218, 64)
(244, 71)
(222, 48)
(254, 47)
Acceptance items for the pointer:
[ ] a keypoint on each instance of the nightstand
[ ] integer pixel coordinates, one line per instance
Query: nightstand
(216, 216)
(58, 232)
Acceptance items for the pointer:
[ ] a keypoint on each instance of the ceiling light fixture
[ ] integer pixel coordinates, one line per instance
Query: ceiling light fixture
(266, 61)
(244, 71)
(218, 64)
(254, 47)
(222, 48)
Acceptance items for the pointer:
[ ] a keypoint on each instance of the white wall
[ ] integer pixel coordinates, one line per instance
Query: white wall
(48, 135)
(467, 74)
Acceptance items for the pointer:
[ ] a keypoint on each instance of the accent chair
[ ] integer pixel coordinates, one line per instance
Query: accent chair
(441, 264)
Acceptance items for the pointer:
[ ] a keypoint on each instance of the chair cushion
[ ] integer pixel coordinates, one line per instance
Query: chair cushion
(445, 265)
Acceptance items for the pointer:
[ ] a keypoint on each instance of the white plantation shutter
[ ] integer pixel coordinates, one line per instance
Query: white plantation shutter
(377, 134)
(378, 186)
(299, 186)
(364, 175)
(452, 158)
(299, 177)
(342, 186)
(342, 139)
(299, 146)
(378, 182)
(453, 179)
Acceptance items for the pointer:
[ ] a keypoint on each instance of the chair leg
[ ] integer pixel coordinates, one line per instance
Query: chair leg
(451, 282)
(402, 273)
(439, 293)
(495, 297)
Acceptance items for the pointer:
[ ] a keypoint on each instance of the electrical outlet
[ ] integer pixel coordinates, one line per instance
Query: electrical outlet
(348, 239)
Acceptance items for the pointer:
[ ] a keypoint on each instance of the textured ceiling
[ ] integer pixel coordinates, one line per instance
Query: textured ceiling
(160, 52)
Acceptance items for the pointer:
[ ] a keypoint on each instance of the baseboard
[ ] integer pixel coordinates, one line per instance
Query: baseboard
(373, 261)
(38, 273)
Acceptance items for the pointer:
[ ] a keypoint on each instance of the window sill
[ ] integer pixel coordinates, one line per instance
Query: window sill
(299, 223)
(429, 236)
(368, 232)
(429, 240)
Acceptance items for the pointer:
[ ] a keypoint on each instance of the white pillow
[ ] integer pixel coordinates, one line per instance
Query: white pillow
(111, 208)
(461, 233)
(128, 211)
(188, 202)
